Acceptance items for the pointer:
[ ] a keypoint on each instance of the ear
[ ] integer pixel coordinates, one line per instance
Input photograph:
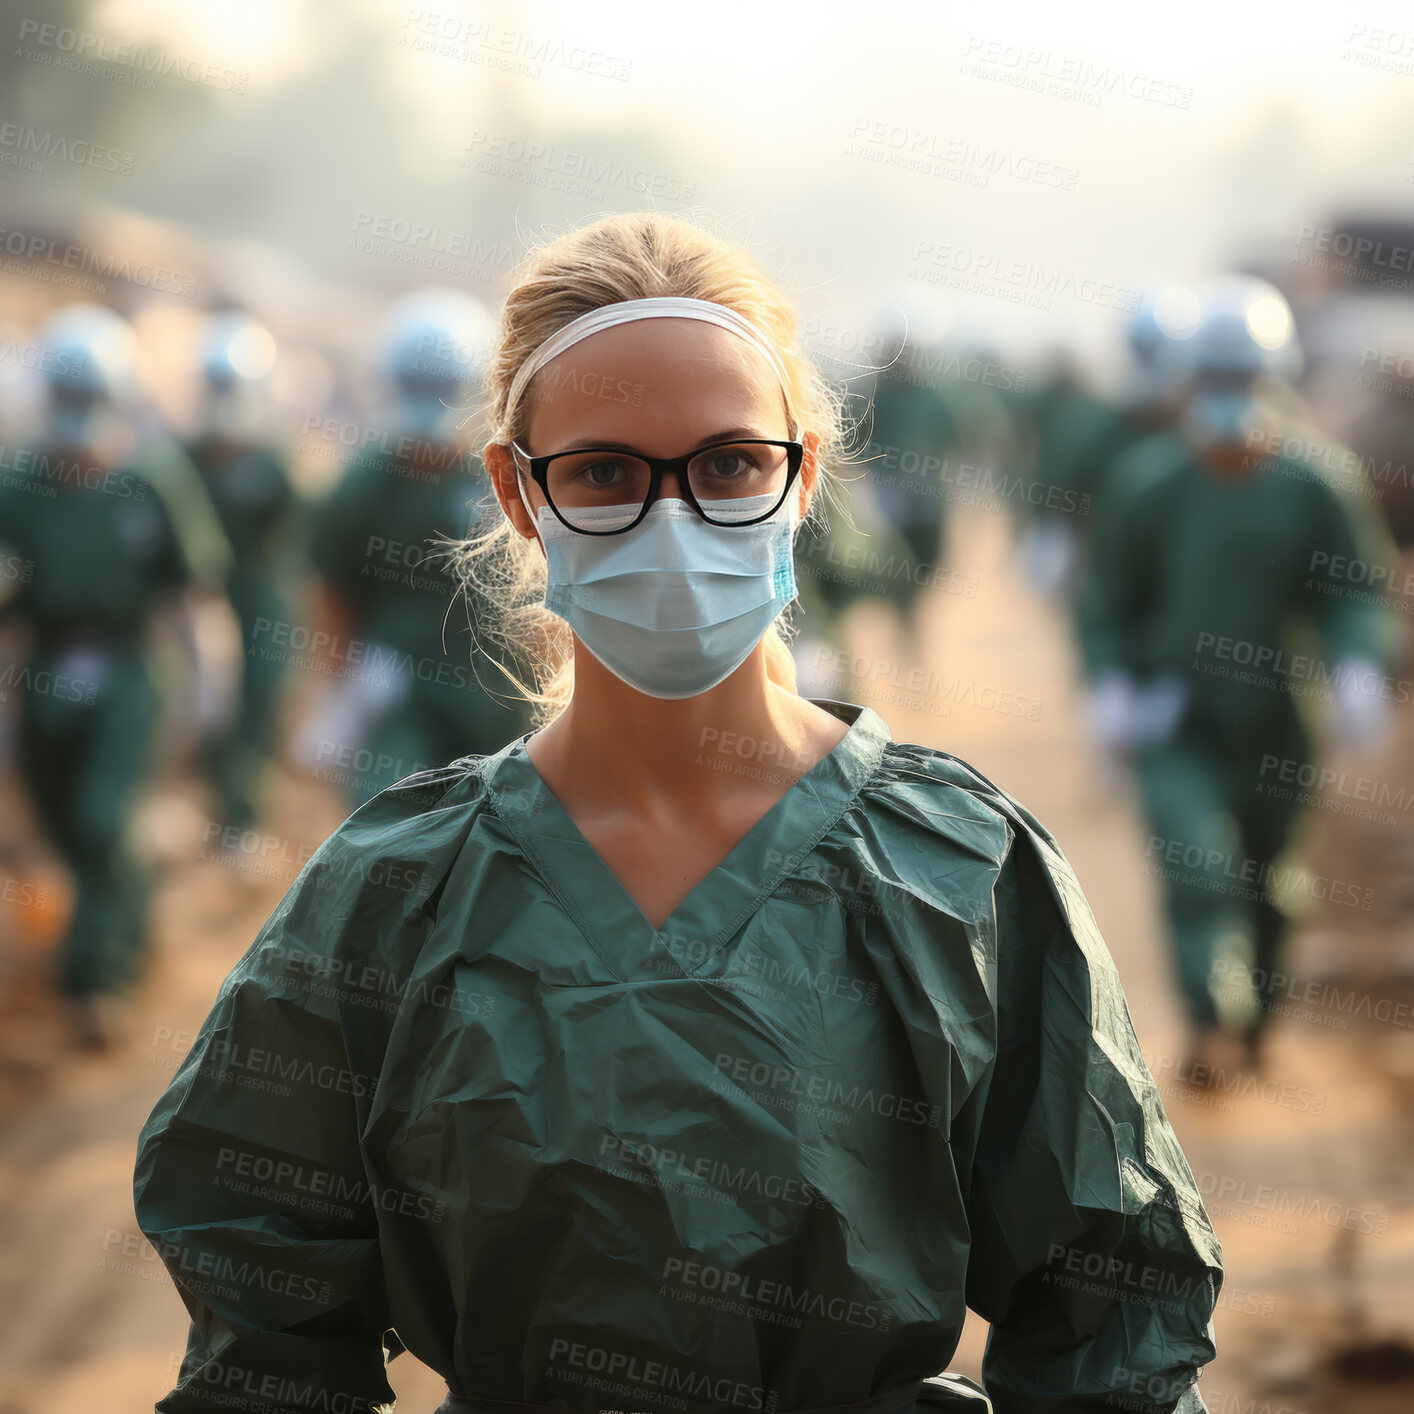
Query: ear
(501, 467)
(809, 469)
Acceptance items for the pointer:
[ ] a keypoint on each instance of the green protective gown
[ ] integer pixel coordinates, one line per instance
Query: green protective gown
(1085, 470)
(102, 548)
(1235, 586)
(1062, 419)
(259, 511)
(460, 1098)
(977, 389)
(1101, 434)
(912, 435)
(855, 556)
(375, 544)
(1078, 493)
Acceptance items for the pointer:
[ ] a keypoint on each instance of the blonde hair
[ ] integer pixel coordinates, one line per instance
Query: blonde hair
(633, 255)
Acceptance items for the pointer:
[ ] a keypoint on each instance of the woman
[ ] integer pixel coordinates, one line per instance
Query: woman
(704, 1048)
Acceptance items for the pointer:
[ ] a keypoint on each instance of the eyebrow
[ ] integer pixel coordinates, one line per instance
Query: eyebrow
(723, 436)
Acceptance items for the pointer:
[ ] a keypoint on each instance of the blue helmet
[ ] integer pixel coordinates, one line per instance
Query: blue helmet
(1246, 330)
(1157, 334)
(236, 355)
(1246, 338)
(432, 354)
(90, 367)
(1168, 312)
(235, 348)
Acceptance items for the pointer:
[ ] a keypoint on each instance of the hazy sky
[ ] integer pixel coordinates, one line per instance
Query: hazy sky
(1085, 146)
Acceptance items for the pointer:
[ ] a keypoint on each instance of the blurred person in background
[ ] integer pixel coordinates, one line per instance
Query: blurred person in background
(886, 543)
(976, 383)
(1055, 414)
(912, 430)
(249, 484)
(1212, 606)
(407, 692)
(855, 556)
(854, 559)
(1078, 469)
(112, 525)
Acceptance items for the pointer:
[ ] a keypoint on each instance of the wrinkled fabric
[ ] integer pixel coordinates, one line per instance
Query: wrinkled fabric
(459, 1097)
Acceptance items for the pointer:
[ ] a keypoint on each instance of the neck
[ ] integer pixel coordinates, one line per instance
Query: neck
(622, 745)
(1233, 463)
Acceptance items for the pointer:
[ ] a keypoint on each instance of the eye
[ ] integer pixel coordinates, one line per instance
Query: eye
(597, 472)
(728, 463)
(603, 473)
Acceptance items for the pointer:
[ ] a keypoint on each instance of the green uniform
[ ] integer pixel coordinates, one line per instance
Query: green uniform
(912, 435)
(374, 543)
(1086, 468)
(978, 390)
(890, 544)
(101, 549)
(1063, 419)
(859, 555)
(257, 505)
(1081, 489)
(876, 1068)
(1235, 586)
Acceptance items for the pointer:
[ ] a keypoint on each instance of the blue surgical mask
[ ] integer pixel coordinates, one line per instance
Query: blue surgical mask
(1216, 419)
(675, 605)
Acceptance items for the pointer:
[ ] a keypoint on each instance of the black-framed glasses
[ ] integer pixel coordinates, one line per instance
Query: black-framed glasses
(606, 491)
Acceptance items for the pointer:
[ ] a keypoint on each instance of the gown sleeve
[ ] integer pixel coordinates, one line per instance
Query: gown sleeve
(1092, 1255)
(250, 1180)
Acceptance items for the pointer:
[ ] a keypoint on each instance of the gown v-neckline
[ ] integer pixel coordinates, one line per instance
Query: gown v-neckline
(607, 914)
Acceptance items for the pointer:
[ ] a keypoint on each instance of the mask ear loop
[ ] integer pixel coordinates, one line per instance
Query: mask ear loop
(520, 491)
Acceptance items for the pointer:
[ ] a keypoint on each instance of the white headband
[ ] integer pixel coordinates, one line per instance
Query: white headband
(655, 307)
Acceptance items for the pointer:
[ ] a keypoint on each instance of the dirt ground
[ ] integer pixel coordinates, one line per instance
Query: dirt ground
(1309, 1178)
